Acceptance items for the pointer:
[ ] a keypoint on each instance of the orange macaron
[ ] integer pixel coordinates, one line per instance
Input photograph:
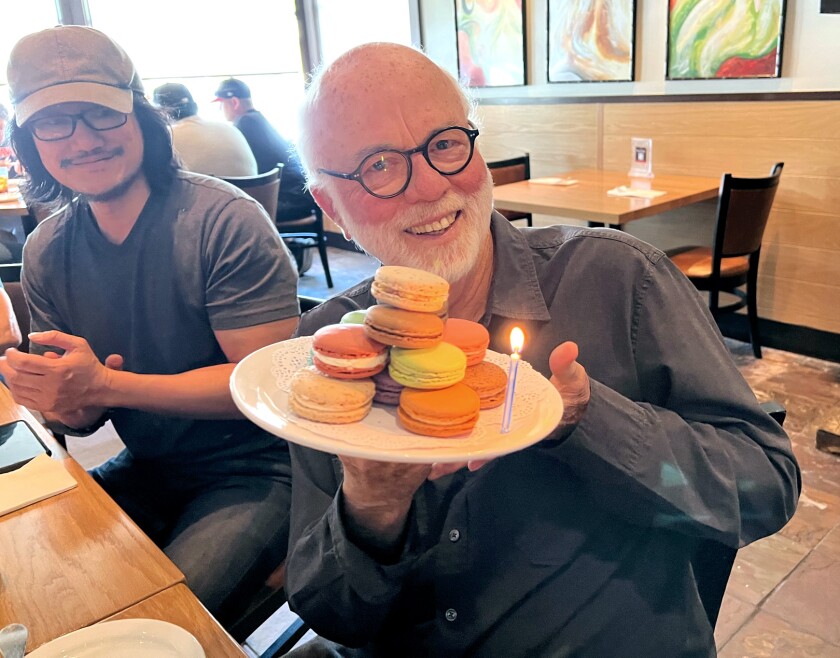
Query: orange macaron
(471, 337)
(489, 381)
(441, 413)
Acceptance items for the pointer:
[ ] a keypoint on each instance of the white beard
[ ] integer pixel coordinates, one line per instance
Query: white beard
(451, 262)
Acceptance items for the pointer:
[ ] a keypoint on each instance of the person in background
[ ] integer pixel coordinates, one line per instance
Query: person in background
(582, 544)
(11, 248)
(145, 287)
(269, 147)
(205, 147)
(7, 154)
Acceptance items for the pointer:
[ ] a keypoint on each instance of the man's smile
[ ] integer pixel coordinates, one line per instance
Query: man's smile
(437, 227)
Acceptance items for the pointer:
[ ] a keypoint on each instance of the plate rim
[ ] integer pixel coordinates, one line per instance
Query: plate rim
(322, 443)
(132, 626)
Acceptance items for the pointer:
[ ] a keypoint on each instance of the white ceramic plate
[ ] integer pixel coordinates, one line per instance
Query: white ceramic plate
(259, 386)
(126, 638)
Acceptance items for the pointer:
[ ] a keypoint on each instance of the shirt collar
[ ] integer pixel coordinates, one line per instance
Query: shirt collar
(515, 291)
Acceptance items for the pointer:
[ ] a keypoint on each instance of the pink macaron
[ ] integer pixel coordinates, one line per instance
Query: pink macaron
(344, 351)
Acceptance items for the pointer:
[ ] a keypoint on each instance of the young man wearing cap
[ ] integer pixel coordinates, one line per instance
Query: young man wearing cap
(205, 147)
(268, 146)
(145, 287)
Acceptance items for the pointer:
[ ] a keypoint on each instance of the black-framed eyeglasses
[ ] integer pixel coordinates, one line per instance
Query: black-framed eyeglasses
(386, 173)
(61, 126)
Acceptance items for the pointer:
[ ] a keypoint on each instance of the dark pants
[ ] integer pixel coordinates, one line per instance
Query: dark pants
(225, 533)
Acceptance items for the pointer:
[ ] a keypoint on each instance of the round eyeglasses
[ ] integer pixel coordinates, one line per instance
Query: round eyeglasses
(61, 126)
(386, 173)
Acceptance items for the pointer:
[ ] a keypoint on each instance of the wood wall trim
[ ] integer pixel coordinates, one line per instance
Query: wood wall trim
(664, 98)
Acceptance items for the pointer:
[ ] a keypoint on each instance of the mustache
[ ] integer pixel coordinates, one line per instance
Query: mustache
(92, 156)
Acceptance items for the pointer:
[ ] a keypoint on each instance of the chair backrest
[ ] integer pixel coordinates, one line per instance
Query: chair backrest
(743, 209)
(265, 188)
(511, 170)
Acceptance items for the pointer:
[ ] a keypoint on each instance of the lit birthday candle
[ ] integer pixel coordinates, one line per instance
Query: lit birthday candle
(517, 340)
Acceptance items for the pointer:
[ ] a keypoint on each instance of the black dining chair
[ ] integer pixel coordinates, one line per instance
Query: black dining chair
(306, 232)
(732, 262)
(262, 187)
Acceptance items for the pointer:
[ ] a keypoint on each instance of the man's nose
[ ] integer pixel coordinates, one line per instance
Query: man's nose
(86, 138)
(426, 184)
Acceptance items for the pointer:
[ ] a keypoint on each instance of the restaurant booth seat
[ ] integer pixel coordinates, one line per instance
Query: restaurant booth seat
(743, 209)
(512, 170)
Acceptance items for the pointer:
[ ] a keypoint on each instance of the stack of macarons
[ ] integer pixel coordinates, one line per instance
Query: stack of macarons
(337, 387)
(428, 357)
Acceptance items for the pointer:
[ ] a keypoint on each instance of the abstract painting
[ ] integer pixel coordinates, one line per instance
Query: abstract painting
(591, 40)
(491, 42)
(710, 39)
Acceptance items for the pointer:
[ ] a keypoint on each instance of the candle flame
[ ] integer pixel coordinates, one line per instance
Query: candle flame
(517, 339)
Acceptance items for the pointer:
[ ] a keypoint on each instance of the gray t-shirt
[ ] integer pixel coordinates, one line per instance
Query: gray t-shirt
(201, 257)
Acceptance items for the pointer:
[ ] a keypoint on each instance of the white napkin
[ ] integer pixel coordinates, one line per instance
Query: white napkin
(39, 479)
(553, 180)
(623, 190)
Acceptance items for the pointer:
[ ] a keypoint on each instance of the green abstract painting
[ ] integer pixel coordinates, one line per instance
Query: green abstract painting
(710, 39)
(491, 42)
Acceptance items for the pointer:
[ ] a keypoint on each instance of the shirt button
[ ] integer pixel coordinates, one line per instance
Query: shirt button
(451, 614)
(454, 535)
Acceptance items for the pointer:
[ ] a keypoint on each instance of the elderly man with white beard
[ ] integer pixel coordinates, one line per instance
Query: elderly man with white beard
(580, 545)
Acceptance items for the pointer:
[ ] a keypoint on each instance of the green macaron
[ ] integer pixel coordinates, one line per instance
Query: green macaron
(428, 368)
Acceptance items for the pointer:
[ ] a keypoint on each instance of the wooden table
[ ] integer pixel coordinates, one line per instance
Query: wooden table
(588, 198)
(179, 606)
(16, 208)
(75, 558)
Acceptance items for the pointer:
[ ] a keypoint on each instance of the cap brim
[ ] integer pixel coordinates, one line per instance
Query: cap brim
(120, 100)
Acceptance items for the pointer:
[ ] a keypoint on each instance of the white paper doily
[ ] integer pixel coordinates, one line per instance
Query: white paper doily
(260, 382)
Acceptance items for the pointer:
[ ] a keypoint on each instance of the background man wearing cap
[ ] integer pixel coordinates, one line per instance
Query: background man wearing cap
(145, 287)
(206, 147)
(269, 147)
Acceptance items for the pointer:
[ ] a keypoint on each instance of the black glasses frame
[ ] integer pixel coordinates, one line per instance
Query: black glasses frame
(356, 175)
(75, 118)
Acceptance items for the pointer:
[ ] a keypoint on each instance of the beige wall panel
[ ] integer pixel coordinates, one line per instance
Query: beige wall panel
(762, 120)
(558, 137)
(798, 303)
(805, 264)
(805, 229)
(742, 156)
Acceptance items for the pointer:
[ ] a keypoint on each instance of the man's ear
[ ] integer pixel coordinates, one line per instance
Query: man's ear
(325, 202)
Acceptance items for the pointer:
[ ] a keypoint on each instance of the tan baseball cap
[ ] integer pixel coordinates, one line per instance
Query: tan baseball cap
(70, 63)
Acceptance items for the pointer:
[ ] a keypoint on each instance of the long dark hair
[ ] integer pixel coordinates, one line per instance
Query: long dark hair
(159, 161)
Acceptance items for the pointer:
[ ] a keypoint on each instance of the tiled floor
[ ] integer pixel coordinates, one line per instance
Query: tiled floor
(783, 599)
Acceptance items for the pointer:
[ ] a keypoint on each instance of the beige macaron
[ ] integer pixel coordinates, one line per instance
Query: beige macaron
(315, 396)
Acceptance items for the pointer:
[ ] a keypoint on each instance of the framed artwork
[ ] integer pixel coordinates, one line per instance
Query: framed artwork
(491, 42)
(591, 41)
(714, 40)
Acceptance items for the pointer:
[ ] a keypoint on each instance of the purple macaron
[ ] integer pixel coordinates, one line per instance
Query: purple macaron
(387, 390)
